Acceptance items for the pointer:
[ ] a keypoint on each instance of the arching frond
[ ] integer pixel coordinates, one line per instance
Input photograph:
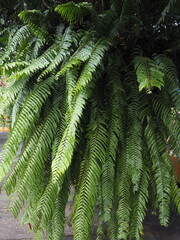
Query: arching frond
(62, 52)
(95, 59)
(74, 12)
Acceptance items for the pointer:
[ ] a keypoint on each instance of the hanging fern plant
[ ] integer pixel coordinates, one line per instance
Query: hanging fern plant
(94, 92)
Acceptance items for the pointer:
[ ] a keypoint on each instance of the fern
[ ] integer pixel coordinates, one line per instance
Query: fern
(115, 121)
(63, 47)
(81, 55)
(74, 82)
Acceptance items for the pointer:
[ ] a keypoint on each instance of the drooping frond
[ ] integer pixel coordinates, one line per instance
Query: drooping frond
(161, 173)
(21, 165)
(61, 162)
(11, 94)
(115, 131)
(139, 206)
(175, 191)
(170, 79)
(134, 137)
(58, 219)
(82, 54)
(26, 119)
(62, 52)
(35, 160)
(87, 195)
(95, 59)
(124, 189)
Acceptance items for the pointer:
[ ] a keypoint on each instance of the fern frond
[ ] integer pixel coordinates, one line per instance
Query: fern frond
(148, 73)
(22, 162)
(134, 139)
(100, 229)
(31, 18)
(82, 54)
(19, 37)
(166, 10)
(71, 79)
(115, 112)
(170, 120)
(61, 162)
(124, 208)
(139, 206)
(26, 119)
(161, 174)
(175, 191)
(90, 67)
(112, 228)
(87, 195)
(40, 63)
(74, 12)
(58, 218)
(17, 106)
(10, 94)
(36, 160)
(62, 52)
(170, 78)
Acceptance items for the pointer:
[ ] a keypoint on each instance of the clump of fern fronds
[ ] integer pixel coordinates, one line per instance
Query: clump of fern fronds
(94, 106)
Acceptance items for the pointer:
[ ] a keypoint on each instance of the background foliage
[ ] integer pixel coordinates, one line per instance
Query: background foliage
(93, 92)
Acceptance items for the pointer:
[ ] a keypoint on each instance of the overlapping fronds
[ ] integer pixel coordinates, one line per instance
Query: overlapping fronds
(93, 96)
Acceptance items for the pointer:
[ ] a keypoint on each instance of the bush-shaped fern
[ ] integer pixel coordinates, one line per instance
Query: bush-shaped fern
(94, 96)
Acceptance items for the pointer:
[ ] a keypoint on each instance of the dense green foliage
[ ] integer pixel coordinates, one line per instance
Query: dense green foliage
(93, 91)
